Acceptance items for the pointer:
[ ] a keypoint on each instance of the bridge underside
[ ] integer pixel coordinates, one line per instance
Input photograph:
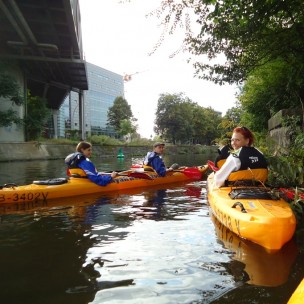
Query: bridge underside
(44, 39)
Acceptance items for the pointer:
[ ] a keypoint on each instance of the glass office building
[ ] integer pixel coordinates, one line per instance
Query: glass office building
(104, 87)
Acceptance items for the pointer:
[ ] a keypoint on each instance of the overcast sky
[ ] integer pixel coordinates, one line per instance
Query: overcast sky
(119, 37)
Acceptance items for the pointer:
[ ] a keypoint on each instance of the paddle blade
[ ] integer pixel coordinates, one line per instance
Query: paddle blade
(193, 173)
(212, 166)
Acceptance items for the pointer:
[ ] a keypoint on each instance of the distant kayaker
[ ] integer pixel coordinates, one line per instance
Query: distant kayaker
(153, 159)
(242, 157)
(80, 159)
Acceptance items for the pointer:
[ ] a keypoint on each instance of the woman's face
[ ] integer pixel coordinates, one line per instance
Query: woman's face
(238, 141)
(87, 152)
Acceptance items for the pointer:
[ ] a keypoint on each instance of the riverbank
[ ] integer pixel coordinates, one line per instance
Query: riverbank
(25, 151)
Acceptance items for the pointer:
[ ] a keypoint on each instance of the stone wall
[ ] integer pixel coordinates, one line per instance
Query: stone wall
(277, 132)
(43, 151)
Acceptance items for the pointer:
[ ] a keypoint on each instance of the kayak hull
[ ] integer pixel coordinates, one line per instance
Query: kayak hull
(269, 223)
(79, 186)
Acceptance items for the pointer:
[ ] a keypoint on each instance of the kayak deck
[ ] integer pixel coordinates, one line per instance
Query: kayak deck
(255, 215)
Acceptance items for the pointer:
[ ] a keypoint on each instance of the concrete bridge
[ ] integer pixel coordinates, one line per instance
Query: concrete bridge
(41, 44)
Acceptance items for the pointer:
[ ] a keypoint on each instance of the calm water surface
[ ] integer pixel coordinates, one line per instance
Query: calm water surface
(157, 245)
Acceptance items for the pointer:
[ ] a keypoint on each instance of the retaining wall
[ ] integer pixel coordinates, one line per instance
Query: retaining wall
(44, 151)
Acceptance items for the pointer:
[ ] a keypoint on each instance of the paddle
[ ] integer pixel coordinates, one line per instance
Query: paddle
(212, 166)
(134, 174)
(192, 173)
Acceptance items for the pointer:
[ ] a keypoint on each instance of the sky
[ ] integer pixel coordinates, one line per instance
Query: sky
(118, 36)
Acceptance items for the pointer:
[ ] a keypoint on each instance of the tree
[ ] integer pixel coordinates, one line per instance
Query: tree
(120, 111)
(180, 120)
(247, 34)
(126, 127)
(268, 89)
(205, 123)
(9, 90)
(37, 116)
(174, 117)
(231, 119)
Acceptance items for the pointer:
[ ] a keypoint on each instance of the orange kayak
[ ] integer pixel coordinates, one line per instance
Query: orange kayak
(74, 186)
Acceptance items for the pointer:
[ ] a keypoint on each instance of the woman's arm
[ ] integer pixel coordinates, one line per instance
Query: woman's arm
(92, 174)
(232, 164)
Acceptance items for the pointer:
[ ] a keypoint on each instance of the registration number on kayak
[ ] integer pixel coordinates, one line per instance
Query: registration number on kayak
(22, 197)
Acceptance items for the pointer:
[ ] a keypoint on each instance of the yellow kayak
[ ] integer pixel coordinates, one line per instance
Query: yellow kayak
(75, 186)
(253, 213)
(298, 296)
(263, 268)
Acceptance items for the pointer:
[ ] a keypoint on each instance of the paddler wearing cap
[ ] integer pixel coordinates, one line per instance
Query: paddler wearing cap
(153, 159)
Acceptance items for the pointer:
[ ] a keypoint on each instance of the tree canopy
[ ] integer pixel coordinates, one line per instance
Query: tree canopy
(179, 120)
(248, 33)
(120, 116)
(258, 44)
(37, 115)
(9, 90)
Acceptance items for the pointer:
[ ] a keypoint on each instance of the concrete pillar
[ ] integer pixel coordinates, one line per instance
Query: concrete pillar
(55, 123)
(81, 116)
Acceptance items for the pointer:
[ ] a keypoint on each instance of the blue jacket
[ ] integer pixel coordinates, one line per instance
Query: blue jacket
(154, 160)
(78, 160)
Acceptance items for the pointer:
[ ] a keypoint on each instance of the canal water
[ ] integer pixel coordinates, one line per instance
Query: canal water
(157, 245)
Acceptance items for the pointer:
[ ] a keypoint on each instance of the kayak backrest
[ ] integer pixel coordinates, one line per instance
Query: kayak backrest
(254, 174)
(77, 172)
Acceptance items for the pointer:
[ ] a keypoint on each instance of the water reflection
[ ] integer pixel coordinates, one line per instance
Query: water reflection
(252, 262)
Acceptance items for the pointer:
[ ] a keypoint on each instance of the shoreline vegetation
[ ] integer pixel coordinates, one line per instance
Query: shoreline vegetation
(27, 151)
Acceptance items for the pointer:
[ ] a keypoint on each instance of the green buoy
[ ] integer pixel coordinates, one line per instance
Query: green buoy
(120, 154)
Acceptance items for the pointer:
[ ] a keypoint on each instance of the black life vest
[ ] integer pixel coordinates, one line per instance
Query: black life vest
(252, 158)
(73, 159)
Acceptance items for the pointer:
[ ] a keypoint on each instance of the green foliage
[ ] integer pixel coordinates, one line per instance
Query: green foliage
(230, 121)
(141, 142)
(287, 167)
(104, 140)
(120, 111)
(37, 116)
(269, 89)
(248, 33)
(126, 127)
(9, 89)
(179, 120)
(7, 118)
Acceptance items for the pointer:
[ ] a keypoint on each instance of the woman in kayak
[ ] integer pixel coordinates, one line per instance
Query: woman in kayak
(153, 159)
(80, 159)
(242, 157)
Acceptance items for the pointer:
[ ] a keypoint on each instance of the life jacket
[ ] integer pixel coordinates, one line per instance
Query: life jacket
(72, 161)
(252, 158)
(253, 166)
